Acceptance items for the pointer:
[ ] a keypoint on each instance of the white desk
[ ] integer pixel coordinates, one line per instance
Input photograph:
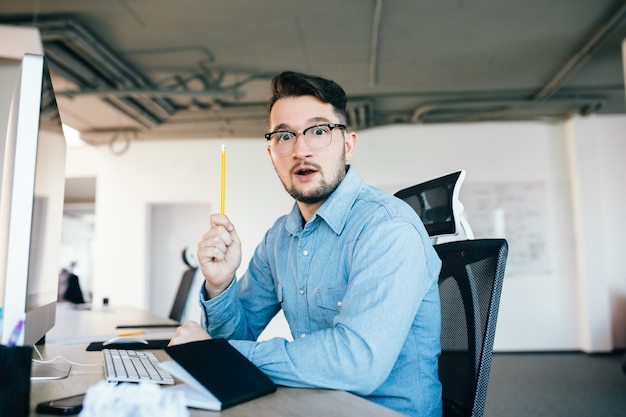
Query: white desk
(75, 324)
(99, 324)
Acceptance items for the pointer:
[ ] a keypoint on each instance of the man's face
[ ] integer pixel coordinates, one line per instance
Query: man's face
(310, 174)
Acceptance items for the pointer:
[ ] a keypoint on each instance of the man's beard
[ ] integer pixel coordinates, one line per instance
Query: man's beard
(321, 193)
(324, 190)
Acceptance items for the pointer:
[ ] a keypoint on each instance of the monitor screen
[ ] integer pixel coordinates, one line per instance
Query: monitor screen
(31, 207)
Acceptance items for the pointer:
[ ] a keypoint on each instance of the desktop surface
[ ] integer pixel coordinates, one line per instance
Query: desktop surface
(75, 324)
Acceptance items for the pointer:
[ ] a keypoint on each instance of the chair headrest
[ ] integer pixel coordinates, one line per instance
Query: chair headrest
(190, 258)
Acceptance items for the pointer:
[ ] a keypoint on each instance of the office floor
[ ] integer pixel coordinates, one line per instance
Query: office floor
(569, 384)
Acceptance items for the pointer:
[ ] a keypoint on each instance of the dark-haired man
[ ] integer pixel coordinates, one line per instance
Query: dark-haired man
(351, 267)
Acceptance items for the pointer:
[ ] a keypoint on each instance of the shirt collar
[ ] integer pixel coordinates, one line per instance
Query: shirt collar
(334, 211)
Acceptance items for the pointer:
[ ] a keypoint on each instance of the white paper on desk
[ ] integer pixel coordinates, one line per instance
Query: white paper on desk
(196, 395)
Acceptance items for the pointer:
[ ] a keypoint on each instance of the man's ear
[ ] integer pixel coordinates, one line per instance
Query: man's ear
(350, 144)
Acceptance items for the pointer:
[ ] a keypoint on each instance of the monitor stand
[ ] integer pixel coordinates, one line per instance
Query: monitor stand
(47, 371)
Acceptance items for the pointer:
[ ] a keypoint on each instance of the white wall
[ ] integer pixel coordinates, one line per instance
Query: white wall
(597, 166)
(501, 153)
(182, 172)
(173, 227)
(577, 303)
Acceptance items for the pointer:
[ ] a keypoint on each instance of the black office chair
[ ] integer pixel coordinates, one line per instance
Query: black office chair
(437, 203)
(184, 288)
(470, 284)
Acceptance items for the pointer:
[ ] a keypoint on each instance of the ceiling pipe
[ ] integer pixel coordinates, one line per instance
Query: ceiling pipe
(120, 75)
(73, 69)
(113, 80)
(118, 72)
(500, 106)
(134, 111)
(88, 64)
(582, 56)
(374, 43)
(78, 40)
(146, 113)
(363, 116)
(624, 63)
(586, 105)
(150, 92)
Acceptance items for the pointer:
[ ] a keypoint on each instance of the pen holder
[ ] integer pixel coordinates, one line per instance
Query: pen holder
(15, 365)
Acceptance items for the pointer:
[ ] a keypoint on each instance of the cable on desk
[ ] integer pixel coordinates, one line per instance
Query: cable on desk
(41, 360)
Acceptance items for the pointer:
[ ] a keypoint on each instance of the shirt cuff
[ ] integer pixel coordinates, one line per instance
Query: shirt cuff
(204, 297)
(216, 311)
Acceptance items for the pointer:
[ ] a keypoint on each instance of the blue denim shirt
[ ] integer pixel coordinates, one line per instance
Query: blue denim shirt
(358, 287)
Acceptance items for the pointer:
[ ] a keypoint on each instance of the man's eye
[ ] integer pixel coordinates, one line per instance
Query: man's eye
(319, 130)
(283, 136)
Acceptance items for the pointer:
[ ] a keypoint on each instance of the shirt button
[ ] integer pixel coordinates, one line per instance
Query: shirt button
(302, 335)
(339, 303)
(301, 292)
(305, 253)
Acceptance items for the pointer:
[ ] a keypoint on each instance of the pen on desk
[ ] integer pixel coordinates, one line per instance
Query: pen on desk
(223, 181)
(15, 334)
(131, 333)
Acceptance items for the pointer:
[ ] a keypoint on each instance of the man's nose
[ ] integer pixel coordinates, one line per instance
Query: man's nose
(301, 147)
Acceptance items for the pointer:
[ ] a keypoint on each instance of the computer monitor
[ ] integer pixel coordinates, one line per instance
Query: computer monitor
(31, 206)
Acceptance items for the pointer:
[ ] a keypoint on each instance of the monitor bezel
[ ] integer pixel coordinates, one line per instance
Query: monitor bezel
(31, 100)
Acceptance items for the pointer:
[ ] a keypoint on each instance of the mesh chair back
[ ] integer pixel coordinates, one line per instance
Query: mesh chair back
(470, 284)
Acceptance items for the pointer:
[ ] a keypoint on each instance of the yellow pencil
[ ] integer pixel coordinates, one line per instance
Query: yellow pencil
(131, 334)
(223, 185)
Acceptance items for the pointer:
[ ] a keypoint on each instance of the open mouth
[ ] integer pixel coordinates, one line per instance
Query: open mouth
(305, 171)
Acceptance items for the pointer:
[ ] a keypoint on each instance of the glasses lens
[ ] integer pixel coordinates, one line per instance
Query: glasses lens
(318, 136)
(282, 141)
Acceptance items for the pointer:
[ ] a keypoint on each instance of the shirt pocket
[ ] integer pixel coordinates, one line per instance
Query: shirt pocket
(329, 301)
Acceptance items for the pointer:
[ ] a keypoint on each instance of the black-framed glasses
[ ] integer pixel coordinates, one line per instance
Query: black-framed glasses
(319, 136)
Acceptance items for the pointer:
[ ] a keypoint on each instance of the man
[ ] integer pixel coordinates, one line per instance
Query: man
(351, 267)
(69, 286)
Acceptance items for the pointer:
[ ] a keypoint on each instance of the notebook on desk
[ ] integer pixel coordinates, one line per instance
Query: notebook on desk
(215, 375)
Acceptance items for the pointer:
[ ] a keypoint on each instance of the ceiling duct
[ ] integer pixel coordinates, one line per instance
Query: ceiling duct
(502, 109)
(79, 57)
(360, 114)
(76, 55)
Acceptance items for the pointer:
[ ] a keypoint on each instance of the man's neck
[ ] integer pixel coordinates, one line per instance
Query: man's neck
(309, 210)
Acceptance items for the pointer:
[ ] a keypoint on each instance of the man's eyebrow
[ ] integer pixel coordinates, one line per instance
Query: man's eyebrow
(281, 126)
(318, 120)
(313, 121)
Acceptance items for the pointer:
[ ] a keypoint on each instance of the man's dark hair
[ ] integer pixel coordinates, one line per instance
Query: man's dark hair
(295, 84)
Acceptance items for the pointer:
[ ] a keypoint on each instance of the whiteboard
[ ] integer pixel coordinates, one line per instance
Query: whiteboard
(516, 211)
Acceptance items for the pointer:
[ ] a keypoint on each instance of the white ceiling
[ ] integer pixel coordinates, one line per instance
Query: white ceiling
(153, 69)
